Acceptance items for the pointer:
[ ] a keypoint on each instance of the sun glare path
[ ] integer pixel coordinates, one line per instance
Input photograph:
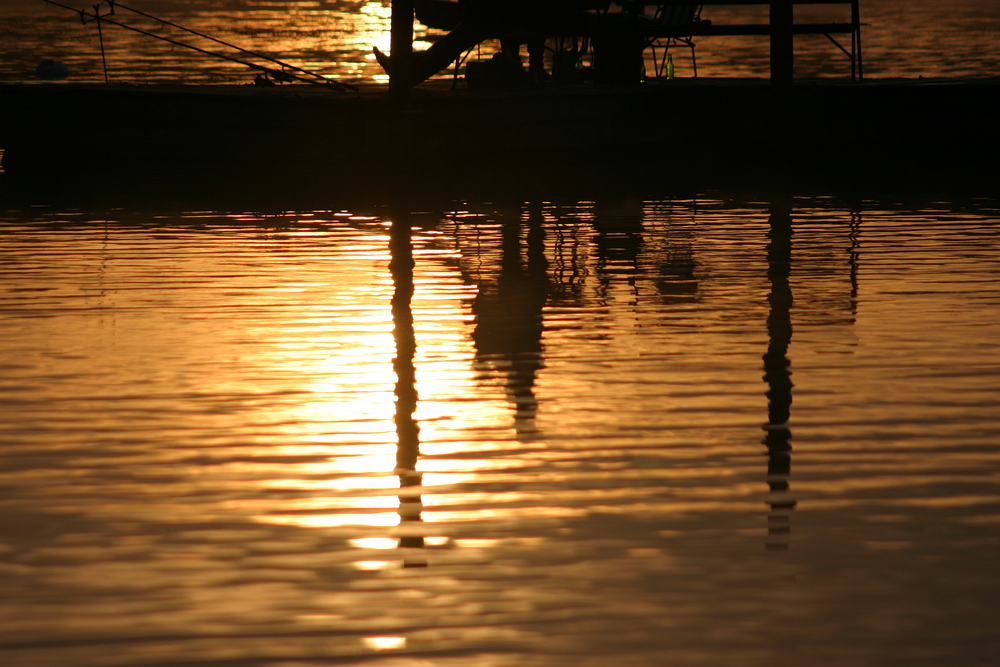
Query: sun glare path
(351, 387)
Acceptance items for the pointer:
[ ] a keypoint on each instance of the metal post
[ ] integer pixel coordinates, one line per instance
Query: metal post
(401, 51)
(782, 49)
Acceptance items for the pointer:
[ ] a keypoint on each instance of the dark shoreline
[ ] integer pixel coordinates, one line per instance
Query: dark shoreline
(912, 136)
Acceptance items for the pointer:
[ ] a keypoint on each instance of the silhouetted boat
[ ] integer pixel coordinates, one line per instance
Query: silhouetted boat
(438, 14)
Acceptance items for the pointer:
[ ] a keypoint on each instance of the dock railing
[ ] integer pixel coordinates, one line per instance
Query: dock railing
(781, 28)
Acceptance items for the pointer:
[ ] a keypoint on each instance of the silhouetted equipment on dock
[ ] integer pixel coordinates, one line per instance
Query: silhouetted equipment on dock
(615, 40)
(727, 131)
(438, 14)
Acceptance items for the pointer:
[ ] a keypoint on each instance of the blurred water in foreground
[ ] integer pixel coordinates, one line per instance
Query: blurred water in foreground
(623, 431)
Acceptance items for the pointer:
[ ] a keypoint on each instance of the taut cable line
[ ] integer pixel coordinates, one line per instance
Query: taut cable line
(280, 75)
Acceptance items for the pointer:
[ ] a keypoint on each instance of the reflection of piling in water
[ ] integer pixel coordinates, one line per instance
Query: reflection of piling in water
(508, 332)
(676, 282)
(407, 429)
(854, 253)
(619, 241)
(777, 373)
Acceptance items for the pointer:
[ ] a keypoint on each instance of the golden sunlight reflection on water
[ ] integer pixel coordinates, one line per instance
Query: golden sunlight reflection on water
(222, 446)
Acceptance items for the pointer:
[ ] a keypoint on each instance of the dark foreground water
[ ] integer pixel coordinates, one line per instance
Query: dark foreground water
(624, 431)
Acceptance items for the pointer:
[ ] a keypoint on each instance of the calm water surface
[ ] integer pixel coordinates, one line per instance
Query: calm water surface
(614, 432)
(621, 430)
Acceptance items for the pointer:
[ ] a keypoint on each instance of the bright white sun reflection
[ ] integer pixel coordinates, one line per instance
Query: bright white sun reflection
(384, 643)
(371, 565)
(373, 543)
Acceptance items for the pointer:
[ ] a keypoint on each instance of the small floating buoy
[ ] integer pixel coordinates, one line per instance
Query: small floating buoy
(51, 70)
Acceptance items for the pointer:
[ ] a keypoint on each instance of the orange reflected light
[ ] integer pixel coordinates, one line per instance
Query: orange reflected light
(347, 405)
(333, 520)
(371, 565)
(379, 463)
(341, 484)
(476, 543)
(506, 513)
(374, 32)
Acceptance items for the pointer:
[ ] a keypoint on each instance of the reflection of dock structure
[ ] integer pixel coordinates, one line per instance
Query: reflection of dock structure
(525, 261)
(777, 374)
(777, 364)
(407, 429)
(508, 330)
(632, 269)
